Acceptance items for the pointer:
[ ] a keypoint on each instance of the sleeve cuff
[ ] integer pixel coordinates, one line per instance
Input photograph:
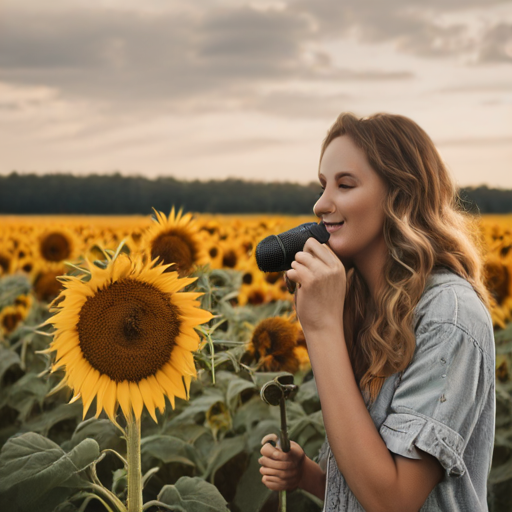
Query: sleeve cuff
(404, 434)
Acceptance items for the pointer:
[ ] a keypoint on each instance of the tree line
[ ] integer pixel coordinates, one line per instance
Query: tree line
(116, 194)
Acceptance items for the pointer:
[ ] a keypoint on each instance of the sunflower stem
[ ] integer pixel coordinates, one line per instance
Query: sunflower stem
(134, 465)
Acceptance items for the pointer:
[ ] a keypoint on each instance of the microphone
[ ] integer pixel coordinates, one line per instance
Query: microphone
(276, 252)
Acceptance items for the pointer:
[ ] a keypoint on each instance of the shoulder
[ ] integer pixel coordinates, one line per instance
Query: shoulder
(450, 304)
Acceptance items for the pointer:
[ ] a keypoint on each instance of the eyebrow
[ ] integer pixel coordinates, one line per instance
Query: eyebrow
(339, 175)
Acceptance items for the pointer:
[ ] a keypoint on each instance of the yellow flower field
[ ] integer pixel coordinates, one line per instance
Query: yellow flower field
(166, 323)
(40, 247)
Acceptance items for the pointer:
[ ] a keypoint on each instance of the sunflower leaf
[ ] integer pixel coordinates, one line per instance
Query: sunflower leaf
(235, 389)
(224, 451)
(193, 495)
(34, 470)
(8, 358)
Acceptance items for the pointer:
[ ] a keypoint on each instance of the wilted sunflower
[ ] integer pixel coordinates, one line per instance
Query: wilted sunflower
(126, 336)
(273, 345)
(175, 239)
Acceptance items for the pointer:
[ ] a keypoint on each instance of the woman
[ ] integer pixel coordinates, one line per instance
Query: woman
(395, 315)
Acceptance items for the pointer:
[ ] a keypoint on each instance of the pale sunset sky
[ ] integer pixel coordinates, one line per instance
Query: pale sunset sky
(211, 89)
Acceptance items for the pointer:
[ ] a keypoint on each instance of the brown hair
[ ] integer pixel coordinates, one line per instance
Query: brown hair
(425, 227)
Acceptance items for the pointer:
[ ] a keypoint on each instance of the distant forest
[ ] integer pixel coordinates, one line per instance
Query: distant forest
(116, 194)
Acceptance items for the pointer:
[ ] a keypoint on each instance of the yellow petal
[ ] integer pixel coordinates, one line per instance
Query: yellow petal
(123, 397)
(137, 400)
(110, 400)
(188, 342)
(147, 396)
(175, 377)
(187, 379)
(157, 393)
(89, 389)
(103, 385)
(183, 360)
(165, 383)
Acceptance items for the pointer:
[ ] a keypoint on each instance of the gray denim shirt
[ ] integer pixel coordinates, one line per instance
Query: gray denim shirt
(443, 403)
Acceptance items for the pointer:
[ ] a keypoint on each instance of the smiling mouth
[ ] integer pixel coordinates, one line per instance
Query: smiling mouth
(326, 224)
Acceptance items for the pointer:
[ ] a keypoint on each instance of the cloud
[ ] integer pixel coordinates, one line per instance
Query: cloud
(414, 26)
(497, 44)
(190, 60)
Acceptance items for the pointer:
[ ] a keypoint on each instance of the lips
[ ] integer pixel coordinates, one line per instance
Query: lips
(333, 226)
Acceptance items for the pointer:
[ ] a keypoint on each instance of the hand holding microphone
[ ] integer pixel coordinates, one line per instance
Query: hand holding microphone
(276, 252)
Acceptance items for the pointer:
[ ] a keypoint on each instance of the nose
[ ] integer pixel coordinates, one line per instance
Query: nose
(324, 205)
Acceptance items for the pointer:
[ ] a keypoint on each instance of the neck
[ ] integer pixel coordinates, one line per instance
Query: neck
(371, 266)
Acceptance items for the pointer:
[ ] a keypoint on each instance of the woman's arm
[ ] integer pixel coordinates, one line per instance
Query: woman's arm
(380, 480)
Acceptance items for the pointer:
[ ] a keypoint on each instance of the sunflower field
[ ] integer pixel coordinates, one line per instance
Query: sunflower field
(133, 352)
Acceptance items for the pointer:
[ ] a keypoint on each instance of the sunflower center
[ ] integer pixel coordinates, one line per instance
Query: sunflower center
(128, 330)
(55, 247)
(171, 248)
(229, 259)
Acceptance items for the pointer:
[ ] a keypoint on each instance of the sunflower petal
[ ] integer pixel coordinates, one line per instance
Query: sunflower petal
(110, 400)
(157, 393)
(147, 396)
(123, 397)
(89, 389)
(175, 377)
(137, 401)
(102, 388)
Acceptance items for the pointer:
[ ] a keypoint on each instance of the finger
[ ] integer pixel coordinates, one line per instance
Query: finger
(273, 485)
(321, 251)
(275, 464)
(290, 285)
(283, 475)
(269, 437)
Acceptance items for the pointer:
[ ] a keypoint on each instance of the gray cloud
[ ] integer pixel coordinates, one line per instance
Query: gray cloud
(202, 60)
(413, 25)
(497, 44)
(192, 60)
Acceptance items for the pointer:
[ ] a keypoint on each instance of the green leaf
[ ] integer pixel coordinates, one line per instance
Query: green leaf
(251, 493)
(104, 432)
(235, 388)
(62, 412)
(26, 392)
(31, 466)
(223, 452)
(198, 406)
(252, 412)
(308, 397)
(168, 449)
(193, 495)
(8, 358)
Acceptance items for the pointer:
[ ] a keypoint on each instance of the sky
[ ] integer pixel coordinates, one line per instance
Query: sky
(214, 89)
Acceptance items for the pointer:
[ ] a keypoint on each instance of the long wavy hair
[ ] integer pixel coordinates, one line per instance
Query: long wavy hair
(426, 227)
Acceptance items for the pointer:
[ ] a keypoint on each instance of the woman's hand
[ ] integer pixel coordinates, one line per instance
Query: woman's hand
(321, 280)
(281, 471)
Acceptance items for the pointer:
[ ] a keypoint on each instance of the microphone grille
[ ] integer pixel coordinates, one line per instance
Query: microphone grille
(269, 255)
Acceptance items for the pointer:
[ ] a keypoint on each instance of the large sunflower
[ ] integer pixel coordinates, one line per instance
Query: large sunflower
(175, 239)
(126, 336)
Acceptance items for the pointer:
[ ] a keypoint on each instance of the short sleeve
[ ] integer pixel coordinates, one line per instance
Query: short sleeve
(439, 398)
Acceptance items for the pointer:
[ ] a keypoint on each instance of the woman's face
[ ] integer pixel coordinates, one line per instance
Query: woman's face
(352, 203)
